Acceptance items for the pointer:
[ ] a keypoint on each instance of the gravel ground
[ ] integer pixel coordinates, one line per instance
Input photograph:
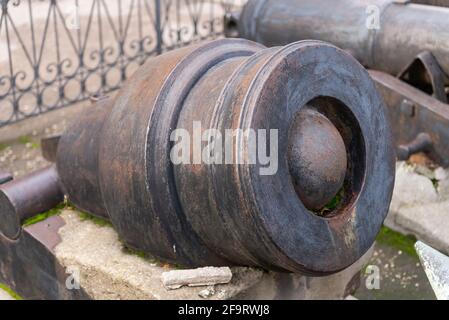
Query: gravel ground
(22, 156)
(401, 277)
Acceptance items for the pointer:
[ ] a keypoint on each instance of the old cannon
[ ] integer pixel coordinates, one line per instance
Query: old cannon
(405, 44)
(315, 211)
(382, 34)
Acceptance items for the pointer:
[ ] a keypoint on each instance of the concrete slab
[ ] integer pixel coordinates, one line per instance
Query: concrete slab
(105, 270)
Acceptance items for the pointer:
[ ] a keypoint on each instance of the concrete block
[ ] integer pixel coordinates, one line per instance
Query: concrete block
(107, 271)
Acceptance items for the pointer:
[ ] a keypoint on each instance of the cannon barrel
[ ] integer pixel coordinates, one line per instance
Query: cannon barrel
(314, 208)
(440, 3)
(382, 34)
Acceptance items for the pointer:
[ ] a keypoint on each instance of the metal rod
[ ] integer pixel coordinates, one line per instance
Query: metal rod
(421, 143)
(5, 177)
(25, 197)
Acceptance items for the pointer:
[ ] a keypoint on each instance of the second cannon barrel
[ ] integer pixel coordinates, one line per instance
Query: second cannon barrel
(382, 34)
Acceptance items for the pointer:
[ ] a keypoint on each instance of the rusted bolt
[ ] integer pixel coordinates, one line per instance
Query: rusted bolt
(422, 143)
(408, 108)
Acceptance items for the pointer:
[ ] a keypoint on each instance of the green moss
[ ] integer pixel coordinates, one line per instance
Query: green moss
(333, 204)
(150, 259)
(35, 145)
(28, 140)
(84, 216)
(141, 254)
(135, 252)
(25, 140)
(10, 292)
(43, 216)
(3, 146)
(435, 183)
(396, 240)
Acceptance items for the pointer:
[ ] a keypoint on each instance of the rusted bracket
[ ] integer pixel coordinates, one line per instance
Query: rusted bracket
(5, 177)
(25, 197)
(29, 267)
(49, 147)
(425, 73)
(414, 113)
(422, 143)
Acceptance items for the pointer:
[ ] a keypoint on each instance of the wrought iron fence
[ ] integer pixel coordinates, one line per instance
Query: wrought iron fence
(54, 53)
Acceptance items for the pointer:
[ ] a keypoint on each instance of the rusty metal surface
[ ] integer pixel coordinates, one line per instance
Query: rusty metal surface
(425, 73)
(440, 3)
(115, 161)
(49, 147)
(77, 159)
(422, 143)
(404, 31)
(413, 112)
(28, 265)
(27, 196)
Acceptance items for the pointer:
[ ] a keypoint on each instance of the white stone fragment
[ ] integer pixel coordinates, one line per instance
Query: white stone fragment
(4, 295)
(443, 189)
(411, 188)
(424, 171)
(436, 266)
(441, 174)
(207, 276)
(207, 293)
